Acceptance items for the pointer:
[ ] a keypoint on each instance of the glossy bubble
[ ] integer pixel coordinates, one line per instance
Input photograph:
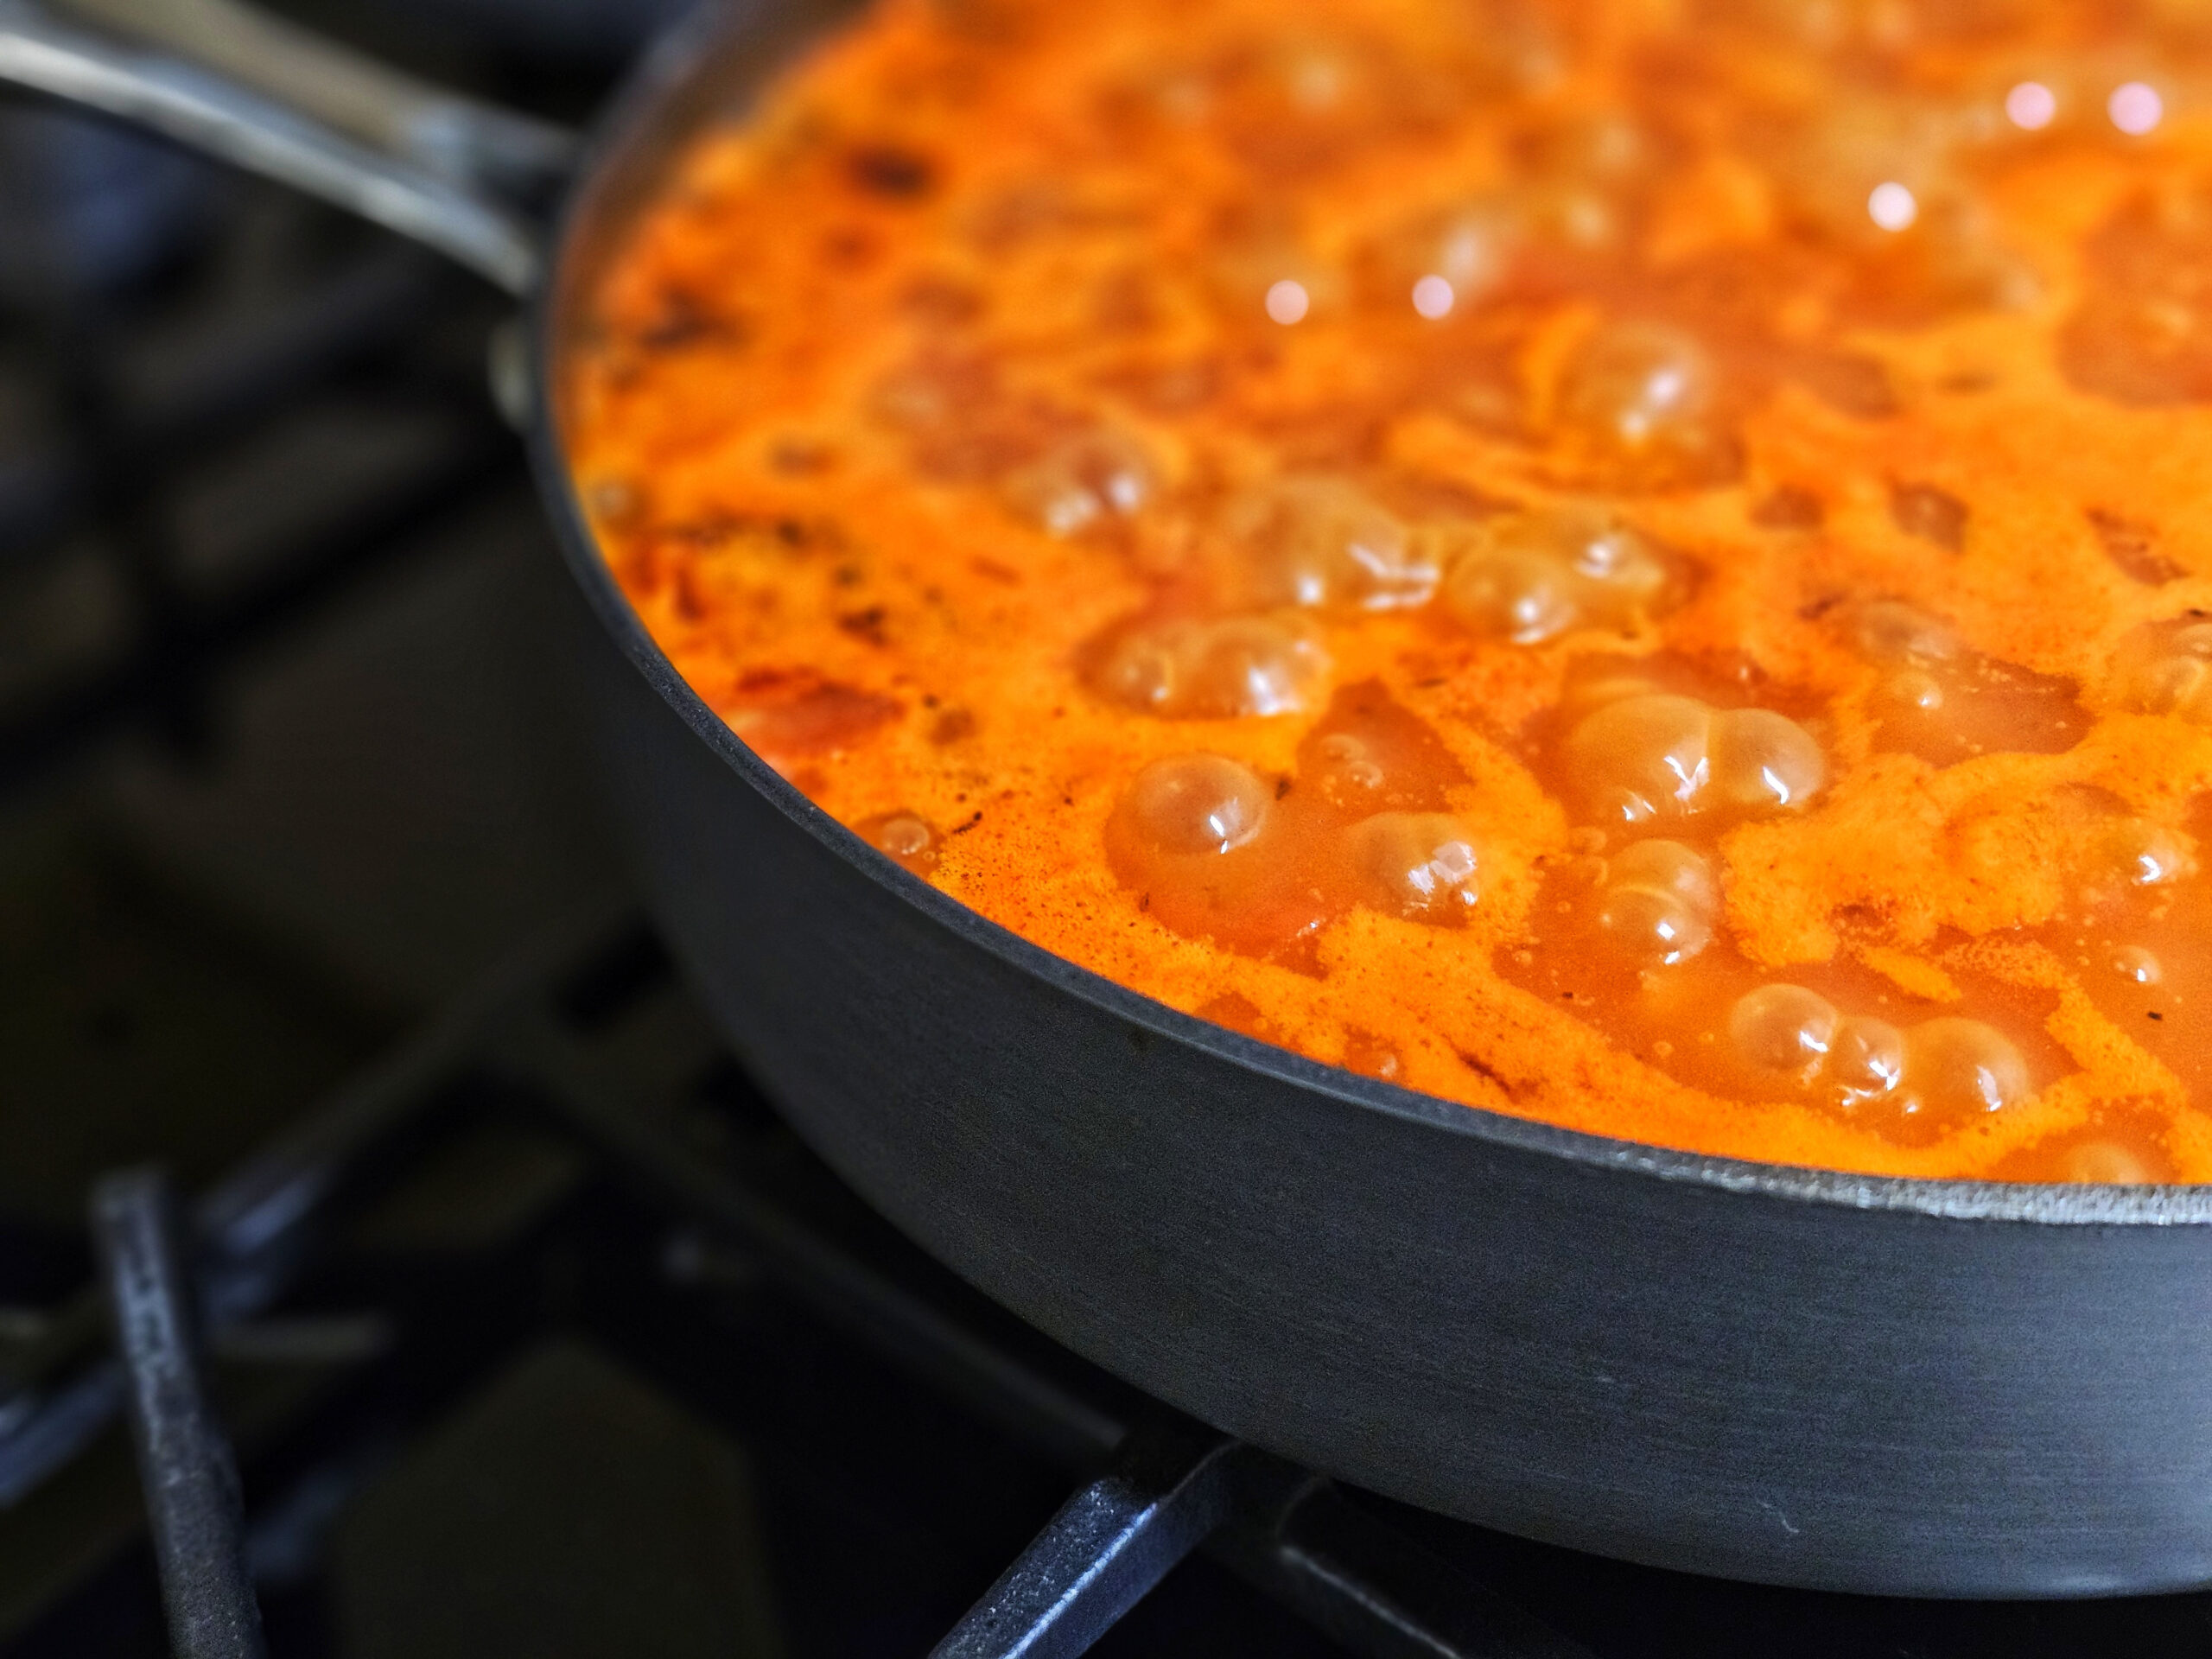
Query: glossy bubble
(1512, 593)
(2172, 675)
(1081, 482)
(1866, 1060)
(1668, 866)
(905, 836)
(1914, 687)
(1349, 772)
(1419, 864)
(2147, 855)
(1642, 758)
(1324, 542)
(1217, 669)
(1646, 396)
(1616, 560)
(1658, 902)
(1958, 1068)
(1784, 1029)
(2138, 966)
(1652, 755)
(1636, 382)
(1470, 249)
(1762, 761)
(2175, 685)
(1652, 926)
(1585, 175)
(1528, 576)
(1449, 259)
(1144, 666)
(1196, 803)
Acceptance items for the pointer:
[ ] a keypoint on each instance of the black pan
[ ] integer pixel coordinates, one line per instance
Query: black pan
(1930, 1388)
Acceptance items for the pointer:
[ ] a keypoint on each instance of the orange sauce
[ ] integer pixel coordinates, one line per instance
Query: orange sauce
(1642, 565)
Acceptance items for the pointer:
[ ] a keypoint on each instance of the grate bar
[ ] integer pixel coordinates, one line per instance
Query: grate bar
(257, 1228)
(1107, 1548)
(194, 641)
(1350, 1573)
(841, 1284)
(1171, 1488)
(1294, 1535)
(184, 1463)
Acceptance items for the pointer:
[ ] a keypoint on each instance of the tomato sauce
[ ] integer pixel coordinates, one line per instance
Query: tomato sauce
(1644, 564)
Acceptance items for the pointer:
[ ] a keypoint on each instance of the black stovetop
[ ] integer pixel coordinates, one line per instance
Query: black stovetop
(542, 1334)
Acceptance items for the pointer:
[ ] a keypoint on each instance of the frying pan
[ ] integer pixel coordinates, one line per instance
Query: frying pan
(1927, 1387)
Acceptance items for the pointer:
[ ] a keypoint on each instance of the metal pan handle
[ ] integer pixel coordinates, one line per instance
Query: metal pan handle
(219, 76)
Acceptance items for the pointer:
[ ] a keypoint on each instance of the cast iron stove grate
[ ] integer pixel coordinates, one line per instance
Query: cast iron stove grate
(695, 1196)
(243, 318)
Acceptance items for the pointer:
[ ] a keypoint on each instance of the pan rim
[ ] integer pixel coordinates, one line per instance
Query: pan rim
(636, 116)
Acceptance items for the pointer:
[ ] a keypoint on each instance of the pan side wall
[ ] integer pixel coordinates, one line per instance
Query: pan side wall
(1725, 1383)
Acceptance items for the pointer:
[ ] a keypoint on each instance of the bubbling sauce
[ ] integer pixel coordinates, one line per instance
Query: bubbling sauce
(1640, 565)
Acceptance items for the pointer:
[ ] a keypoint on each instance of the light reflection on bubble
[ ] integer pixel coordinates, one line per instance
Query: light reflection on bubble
(1287, 302)
(2134, 963)
(1892, 207)
(1195, 804)
(1432, 297)
(2030, 106)
(2135, 108)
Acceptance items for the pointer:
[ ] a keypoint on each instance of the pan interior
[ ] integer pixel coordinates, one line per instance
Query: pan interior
(705, 72)
(709, 71)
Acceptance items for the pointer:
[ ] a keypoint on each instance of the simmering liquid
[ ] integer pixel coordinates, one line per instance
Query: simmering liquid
(1642, 565)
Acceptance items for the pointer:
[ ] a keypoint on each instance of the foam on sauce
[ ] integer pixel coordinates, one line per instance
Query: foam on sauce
(1642, 565)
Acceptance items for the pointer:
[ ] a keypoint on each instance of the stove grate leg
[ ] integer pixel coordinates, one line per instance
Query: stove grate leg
(184, 1463)
(1109, 1545)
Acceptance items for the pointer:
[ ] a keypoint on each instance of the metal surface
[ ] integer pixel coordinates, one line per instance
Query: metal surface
(1173, 1489)
(1377, 1591)
(467, 142)
(1110, 1544)
(184, 1462)
(1858, 1383)
(195, 106)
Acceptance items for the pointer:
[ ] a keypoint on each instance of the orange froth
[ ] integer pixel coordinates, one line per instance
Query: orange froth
(1636, 565)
